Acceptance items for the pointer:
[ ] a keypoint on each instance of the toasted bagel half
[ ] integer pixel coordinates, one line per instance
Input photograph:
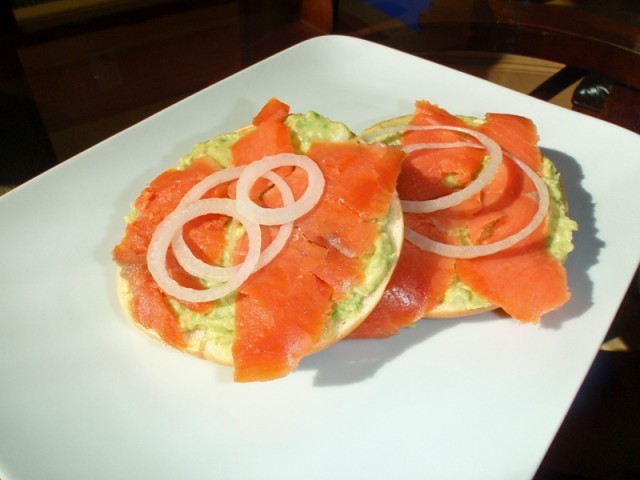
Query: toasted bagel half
(329, 275)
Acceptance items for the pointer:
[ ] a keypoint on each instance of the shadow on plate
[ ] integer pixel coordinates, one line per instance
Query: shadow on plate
(353, 361)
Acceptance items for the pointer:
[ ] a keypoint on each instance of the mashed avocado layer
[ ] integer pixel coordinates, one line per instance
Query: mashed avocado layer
(215, 330)
(560, 226)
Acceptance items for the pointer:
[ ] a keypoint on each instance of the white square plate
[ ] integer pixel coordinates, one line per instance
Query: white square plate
(84, 395)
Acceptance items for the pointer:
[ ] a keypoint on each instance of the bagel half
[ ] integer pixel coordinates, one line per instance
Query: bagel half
(460, 300)
(211, 335)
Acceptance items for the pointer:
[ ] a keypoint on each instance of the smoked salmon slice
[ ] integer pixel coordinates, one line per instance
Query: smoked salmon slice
(526, 281)
(282, 311)
(417, 284)
(274, 109)
(516, 135)
(154, 203)
(281, 314)
(149, 305)
(269, 138)
(362, 178)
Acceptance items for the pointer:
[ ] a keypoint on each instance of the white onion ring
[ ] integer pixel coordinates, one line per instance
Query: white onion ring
(191, 206)
(210, 181)
(278, 243)
(289, 213)
(197, 267)
(473, 251)
(424, 146)
(166, 230)
(482, 180)
(181, 251)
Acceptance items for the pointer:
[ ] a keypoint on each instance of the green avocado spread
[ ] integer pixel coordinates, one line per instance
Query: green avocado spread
(215, 329)
(559, 231)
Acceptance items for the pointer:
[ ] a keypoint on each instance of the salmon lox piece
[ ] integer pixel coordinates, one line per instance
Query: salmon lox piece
(363, 177)
(155, 202)
(149, 306)
(516, 135)
(284, 310)
(281, 313)
(417, 284)
(268, 138)
(526, 280)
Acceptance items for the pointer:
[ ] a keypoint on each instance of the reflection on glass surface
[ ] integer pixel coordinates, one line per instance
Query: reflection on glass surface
(93, 67)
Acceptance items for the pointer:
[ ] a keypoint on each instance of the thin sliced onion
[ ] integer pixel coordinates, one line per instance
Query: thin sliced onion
(192, 206)
(424, 146)
(197, 267)
(288, 213)
(278, 243)
(216, 178)
(476, 185)
(162, 236)
(182, 252)
(472, 251)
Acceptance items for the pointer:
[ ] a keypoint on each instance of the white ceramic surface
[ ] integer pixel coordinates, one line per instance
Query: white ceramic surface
(84, 395)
